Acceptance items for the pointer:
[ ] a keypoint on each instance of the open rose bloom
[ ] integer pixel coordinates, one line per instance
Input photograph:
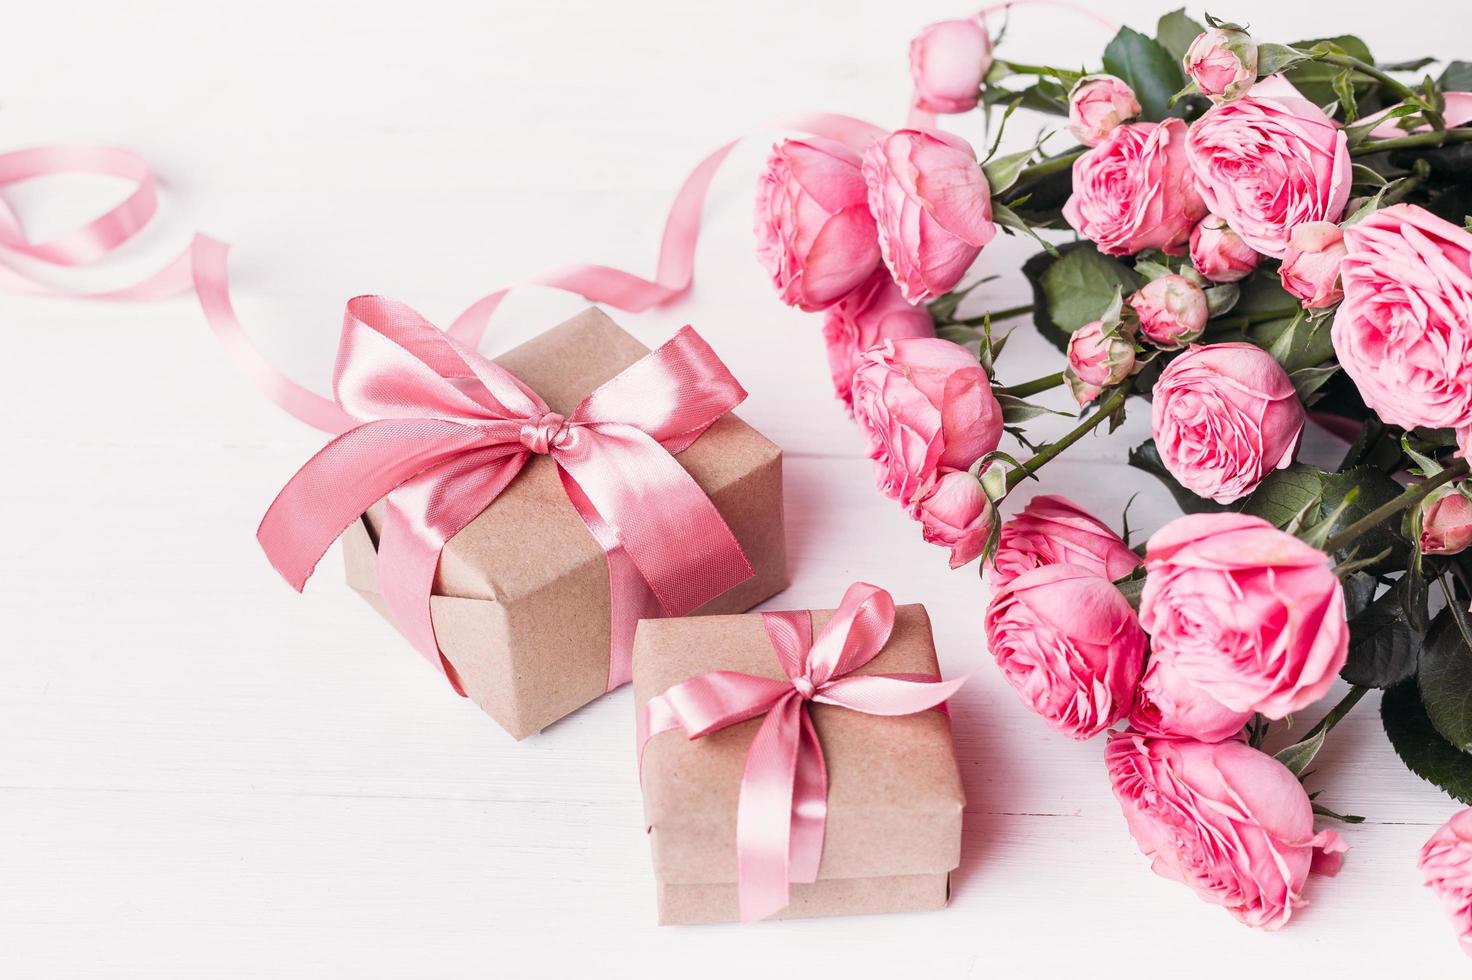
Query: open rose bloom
(1446, 863)
(871, 314)
(924, 405)
(1269, 161)
(1054, 530)
(1403, 332)
(1230, 822)
(1243, 613)
(1224, 416)
(814, 233)
(1067, 640)
(1135, 190)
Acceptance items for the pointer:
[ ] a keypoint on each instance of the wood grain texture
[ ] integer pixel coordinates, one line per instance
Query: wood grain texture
(205, 775)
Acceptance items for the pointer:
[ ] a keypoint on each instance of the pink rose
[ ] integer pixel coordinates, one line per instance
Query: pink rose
(1310, 269)
(1404, 330)
(1224, 416)
(1054, 530)
(1446, 522)
(923, 404)
(1172, 311)
(1135, 190)
(814, 232)
(1219, 253)
(1446, 861)
(1070, 644)
(953, 512)
(1244, 613)
(948, 60)
(1222, 62)
(1165, 704)
(872, 313)
(933, 208)
(1097, 359)
(1265, 163)
(1097, 105)
(1224, 819)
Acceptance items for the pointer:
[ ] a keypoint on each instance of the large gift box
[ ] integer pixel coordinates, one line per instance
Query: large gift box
(893, 796)
(520, 602)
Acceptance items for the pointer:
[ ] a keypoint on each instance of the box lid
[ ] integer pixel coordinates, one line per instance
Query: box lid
(894, 795)
(531, 536)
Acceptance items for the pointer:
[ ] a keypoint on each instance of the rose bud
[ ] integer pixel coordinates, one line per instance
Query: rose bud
(1446, 863)
(1053, 530)
(1135, 190)
(1098, 358)
(1404, 331)
(1219, 253)
(1222, 62)
(1224, 416)
(873, 313)
(1267, 163)
(1069, 643)
(1446, 522)
(1097, 105)
(953, 512)
(1172, 311)
(948, 60)
(922, 405)
(1166, 705)
(1310, 269)
(1231, 823)
(933, 208)
(814, 233)
(1243, 613)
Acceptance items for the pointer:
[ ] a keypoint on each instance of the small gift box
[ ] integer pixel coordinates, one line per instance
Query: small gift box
(578, 513)
(792, 765)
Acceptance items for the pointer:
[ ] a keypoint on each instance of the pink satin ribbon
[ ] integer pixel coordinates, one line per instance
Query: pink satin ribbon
(782, 809)
(440, 431)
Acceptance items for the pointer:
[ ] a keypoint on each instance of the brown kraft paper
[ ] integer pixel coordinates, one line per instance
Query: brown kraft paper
(894, 791)
(521, 604)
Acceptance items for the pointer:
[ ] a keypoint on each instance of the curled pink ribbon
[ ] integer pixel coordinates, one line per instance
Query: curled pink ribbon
(440, 431)
(782, 809)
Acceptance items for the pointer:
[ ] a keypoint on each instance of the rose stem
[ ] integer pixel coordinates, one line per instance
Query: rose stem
(1336, 714)
(1400, 88)
(1414, 140)
(1032, 387)
(996, 315)
(1107, 408)
(1408, 498)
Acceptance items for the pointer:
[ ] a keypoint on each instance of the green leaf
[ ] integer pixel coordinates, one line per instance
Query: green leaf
(1370, 488)
(1299, 341)
(1001, 172)
(1175, 31)
(1146, 457)
(1416, 741)
(1359, 592)
(1273, 58)
(1445, 678)
(1383, 646)
(1298, 755)
(1314, 79)
(1343, 84)
(1308, 381)
(1080, 285)
(1294, 493)
(1457, 77)
(1411, 64)
(1148, 68)
(1015, 410)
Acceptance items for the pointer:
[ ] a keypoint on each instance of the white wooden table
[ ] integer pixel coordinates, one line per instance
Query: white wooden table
(203, 774)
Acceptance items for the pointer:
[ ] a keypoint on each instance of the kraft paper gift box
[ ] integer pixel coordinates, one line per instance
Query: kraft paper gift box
(521, 596)
(895, 799)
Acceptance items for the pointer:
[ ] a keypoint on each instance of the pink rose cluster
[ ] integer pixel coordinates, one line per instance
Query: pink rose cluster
(1235, 618)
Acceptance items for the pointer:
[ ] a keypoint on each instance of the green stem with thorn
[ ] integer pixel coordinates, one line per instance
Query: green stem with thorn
(1106, 408)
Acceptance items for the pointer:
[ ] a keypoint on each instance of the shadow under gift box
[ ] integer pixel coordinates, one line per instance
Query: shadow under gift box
(895, 800)
(521, 604)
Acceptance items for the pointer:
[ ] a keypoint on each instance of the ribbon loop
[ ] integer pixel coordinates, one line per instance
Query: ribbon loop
(782, 808)
(442, 431)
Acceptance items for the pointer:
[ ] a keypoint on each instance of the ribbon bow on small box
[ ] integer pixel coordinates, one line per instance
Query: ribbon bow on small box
(444, 430)
(782, 808)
